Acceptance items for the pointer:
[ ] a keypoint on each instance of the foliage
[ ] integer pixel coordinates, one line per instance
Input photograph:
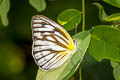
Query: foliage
(4, 8)
(99, 38)
(116, 71)
(115, 3)
(105, 40)
(102, 13)
(39, 5)
(104, 17)
(69, 19)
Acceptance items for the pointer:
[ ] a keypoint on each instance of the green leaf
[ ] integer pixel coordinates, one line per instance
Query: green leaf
(113, 17)
(69, 18)
(105, 43)
(71, 65)
(39, 5)
(115, 3)
(116, 70)
(103, 16)
(4, 8)
(102, 13)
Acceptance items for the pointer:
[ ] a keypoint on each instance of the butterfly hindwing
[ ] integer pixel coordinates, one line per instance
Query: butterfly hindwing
(51, 43)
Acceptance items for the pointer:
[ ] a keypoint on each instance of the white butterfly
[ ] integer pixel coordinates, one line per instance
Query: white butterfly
(52, 45)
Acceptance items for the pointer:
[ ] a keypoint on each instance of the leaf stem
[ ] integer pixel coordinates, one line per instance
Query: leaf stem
(83, 11)
(80, 73)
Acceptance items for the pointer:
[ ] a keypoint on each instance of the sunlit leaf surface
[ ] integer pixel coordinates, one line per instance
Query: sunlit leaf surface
(105, 43)
(113, 17)
(69, 18)
(115, 3)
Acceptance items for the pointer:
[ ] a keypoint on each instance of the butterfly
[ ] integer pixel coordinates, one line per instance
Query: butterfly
(52, 45)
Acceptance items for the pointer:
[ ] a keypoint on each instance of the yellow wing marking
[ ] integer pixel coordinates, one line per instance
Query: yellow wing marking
(71, 44)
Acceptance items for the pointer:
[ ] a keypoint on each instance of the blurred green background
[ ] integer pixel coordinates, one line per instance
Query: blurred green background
(16, 61)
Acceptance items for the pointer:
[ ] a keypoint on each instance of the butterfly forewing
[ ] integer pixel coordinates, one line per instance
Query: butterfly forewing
(51, 43)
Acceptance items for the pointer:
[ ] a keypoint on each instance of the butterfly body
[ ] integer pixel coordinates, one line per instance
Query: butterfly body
(52, 45)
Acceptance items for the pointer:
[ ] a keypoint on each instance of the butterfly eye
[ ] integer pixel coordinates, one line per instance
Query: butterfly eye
(51, 47)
